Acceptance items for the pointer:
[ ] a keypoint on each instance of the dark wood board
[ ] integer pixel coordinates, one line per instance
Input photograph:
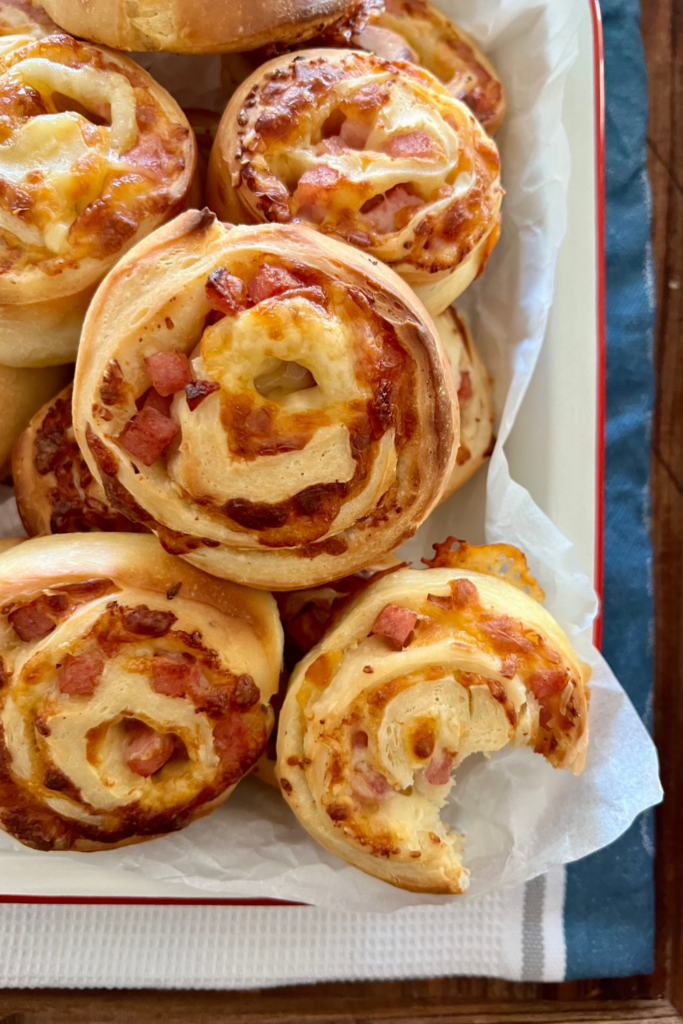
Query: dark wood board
(482, 1001)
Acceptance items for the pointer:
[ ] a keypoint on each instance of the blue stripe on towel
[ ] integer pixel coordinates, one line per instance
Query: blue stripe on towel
(609, 908)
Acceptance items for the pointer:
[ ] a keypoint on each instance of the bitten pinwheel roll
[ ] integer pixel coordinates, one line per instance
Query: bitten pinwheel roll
(95, 155)
(425, 668)
(22, 392)
(54, 489)
(274, 405)
(475, 397)
(444, 49)
(134, 690)
(208, 26)
(374, 152)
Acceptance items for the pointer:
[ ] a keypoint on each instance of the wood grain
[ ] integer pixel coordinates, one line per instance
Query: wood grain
(482, 1001)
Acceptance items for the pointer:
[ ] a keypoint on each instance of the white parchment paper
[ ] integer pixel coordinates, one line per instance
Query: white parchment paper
(519, 815)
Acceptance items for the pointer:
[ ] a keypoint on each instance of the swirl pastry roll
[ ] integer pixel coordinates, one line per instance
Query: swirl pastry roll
(475, 397)
(443, 48)
(54, 489)
(374, 152)
(134, 690)
(94, 156)
(273, 404)
(22, 391)
(208, 26)
(425, 668)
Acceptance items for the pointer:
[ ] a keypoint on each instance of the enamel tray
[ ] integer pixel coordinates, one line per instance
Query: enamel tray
(561, 465)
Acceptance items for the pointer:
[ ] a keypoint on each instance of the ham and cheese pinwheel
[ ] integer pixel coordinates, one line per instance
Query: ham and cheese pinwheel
(134, 690)
(417, 30)
(54, 489)
(475, 397)
(373, 152)
(422, 670)
(274, 405)
(94, 156)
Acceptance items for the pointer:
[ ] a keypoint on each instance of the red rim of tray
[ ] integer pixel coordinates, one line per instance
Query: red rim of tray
(599, 64)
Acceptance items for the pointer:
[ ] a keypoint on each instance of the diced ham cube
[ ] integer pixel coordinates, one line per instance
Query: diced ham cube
(354, 134)
(147, 750)
(385, 43)
(154, 400)
(271, 280)
(395, 624)
(465, 389)
(32, 622)
(148, 435)
(415, 145)
(174, 677)
(197, 390)
(383, 212)
(170, 372)
(359, 740)
(80, 674)
(370, 786)
(311, 196)
(438, 771)
(548, 682)
(226, 292)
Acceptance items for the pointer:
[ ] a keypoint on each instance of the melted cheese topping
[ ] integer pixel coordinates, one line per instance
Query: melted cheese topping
(376, 152)
(79, 172)
(370, 732)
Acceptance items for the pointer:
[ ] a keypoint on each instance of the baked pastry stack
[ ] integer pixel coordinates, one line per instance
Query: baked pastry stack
(271, 403)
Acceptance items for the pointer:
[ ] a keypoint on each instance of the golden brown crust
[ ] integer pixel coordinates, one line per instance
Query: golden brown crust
(134, 690)
(475, 397)
(54, 489)
(22, 21)
(449, 53)
(373, 152)
(422, 670)
(97, 155)
(204, 26)
(319, 428)
(22, 392)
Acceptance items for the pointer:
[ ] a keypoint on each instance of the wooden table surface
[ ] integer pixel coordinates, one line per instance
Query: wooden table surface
(482, 1001)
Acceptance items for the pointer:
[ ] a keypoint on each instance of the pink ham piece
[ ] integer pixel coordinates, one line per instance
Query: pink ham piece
(147, 750)
(311, 196)
(148, 435)
(153, 400)
(359, 740)
(175, 676)
(271, 280)
(465, 389)
(170, 372)
(385, 43)
(354, 134)
(197, 390)
(226, 293)
(415, 145)
(80, 674)
(438, 771)
(32, 622)
(395, 624)
(546, 683)
(382, 214)
(370, 786)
